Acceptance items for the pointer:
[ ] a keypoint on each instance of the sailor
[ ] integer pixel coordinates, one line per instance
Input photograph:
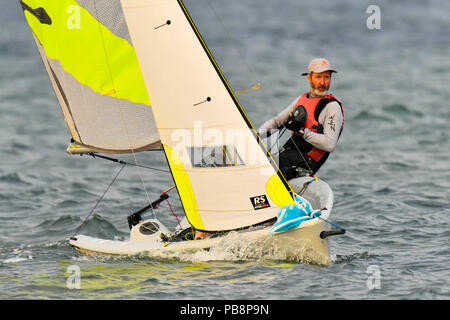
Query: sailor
(315, 119)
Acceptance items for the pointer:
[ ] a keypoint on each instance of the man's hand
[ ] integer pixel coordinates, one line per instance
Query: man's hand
(300, 132)
(297, 119)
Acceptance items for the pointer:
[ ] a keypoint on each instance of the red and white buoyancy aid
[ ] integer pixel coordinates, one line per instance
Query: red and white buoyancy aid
(313, 106)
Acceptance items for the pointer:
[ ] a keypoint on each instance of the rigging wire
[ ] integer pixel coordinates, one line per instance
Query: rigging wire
(247, 65)
(234, 45)
(99, 200)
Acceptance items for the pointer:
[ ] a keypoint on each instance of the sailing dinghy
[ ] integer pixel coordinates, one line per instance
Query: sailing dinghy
(135, 75)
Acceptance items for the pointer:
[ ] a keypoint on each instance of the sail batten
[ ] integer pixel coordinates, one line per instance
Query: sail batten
(224, 178)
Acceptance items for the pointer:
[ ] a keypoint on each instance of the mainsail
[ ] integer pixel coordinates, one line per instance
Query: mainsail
(89, 56)
(108, 59)
(223, 176)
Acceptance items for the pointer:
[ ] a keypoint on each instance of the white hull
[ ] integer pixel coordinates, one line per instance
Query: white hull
(299, 244)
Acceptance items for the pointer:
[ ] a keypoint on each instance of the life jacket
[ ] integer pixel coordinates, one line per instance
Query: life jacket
(313, 106)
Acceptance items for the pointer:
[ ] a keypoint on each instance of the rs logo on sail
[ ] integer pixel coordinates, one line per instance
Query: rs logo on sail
(260, 202)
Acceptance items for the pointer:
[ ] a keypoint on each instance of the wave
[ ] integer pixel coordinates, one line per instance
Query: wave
(96, 226)
(389, 113)
(365, 116)
(338, 259)
(401, 110)
(14, 178)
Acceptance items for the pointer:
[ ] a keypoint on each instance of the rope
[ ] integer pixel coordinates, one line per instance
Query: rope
(306, 185)
(255, 87)
(173, 213)
(298, 150)
(329, 222)
(99, 200)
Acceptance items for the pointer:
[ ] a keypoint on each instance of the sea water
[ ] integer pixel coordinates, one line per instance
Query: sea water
(389, 173)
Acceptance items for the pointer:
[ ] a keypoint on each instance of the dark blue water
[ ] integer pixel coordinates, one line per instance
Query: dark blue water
(390, 172)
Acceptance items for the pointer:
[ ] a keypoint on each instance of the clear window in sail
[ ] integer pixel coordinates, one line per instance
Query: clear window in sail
(214, 156)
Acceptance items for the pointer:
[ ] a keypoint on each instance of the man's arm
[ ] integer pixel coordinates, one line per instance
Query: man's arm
(279, 120)
(331, 118)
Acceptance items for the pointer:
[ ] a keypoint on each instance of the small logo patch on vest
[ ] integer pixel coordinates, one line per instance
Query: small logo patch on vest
(260, 202)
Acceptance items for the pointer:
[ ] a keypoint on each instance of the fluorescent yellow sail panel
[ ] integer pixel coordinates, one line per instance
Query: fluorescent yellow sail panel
(277, 192)
(184, 188)
(87, 50)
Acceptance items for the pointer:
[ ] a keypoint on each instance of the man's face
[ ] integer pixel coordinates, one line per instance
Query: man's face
(320, 83)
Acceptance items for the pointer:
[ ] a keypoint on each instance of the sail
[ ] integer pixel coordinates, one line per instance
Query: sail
(223, 176)
(90, 58)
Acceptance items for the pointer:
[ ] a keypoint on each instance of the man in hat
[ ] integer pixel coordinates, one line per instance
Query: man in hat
(315, 118)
